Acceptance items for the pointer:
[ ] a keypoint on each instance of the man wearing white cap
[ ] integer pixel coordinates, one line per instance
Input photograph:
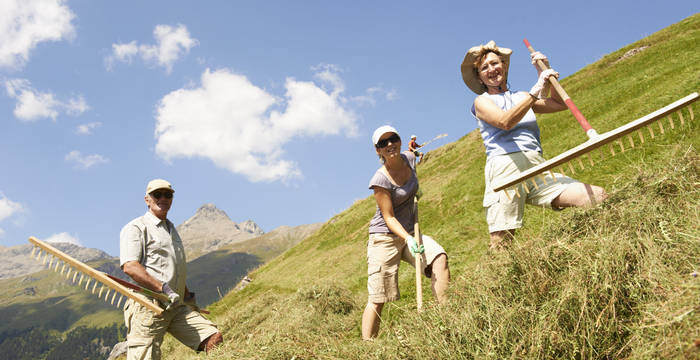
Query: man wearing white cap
(151, 253)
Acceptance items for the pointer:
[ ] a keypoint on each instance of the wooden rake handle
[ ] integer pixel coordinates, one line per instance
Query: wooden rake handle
(419, 258)
(567, 100)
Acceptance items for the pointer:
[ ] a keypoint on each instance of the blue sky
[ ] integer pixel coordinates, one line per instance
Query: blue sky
(264, 108)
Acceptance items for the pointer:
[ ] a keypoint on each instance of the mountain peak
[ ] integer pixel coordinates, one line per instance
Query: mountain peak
(211, 228)
(251, 227)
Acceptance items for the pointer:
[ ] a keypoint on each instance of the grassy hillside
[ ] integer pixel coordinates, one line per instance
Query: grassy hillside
(614, 281)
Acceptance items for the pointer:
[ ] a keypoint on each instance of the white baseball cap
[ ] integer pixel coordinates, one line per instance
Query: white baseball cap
(381, 131)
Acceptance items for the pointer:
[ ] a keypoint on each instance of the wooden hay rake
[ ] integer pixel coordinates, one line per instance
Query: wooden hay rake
(108, 285)
(613, 138)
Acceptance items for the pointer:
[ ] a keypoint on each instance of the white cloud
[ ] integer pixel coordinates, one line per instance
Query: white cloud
(240, 126)
(171, 44)
(26, 23)
(85, 161)
(86, 129)
(63, 237)
(33, 104)
(8, 207)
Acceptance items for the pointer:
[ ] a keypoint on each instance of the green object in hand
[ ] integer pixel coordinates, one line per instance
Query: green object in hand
(413, 246)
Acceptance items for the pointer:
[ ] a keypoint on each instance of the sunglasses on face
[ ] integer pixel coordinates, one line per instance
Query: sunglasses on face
(158, 194)
(384, 142)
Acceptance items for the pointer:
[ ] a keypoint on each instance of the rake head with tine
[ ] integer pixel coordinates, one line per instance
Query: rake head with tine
(94, 277)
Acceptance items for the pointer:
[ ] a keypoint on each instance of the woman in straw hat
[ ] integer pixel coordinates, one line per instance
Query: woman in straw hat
(511, 137)
(390, 231)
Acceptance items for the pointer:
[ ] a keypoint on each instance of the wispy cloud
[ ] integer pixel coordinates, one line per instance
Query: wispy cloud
(63, 237)
(243, 128)
(33, 104)
(86, 129)
(171, 44)
(26, 23)
(373, 94)
(7, 209)
(85, 161)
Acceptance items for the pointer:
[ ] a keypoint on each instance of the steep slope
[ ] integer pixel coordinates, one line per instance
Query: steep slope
(609, 282)
(214, 274)
(210, 228)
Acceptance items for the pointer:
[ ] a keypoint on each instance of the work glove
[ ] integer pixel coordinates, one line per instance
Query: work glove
(538, 56)
(540, 87)
(173, 297)
(413, 246)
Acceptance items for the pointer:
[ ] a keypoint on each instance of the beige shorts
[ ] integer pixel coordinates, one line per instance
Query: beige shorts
(506, 214)
(145, 329)
(384, 253)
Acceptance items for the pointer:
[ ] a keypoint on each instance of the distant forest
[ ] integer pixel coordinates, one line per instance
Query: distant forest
(80, 343)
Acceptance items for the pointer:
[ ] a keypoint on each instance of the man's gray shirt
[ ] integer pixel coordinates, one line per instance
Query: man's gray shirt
(147, 240)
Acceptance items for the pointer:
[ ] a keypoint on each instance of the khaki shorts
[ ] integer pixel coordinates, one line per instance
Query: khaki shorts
(145, 329)
(506, 214)
(384, 253)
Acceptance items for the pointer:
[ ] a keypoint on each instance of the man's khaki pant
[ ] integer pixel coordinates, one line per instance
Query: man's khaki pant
(145, 329)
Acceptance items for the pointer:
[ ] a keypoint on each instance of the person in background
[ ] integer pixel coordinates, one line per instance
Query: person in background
(391, 231)
(413, 146)
(511, 137)
(152, 254)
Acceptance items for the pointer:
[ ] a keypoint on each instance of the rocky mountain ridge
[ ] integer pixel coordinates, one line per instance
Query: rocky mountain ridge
(16, 260)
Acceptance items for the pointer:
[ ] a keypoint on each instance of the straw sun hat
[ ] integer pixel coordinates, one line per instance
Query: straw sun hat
(469, 73)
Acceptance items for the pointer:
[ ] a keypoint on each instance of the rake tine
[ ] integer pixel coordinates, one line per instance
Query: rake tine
(590, 158)
(670, 121)
(45, 259)
(507, 195)
(525, 190)
(81, 278)
(554, 178)
(580, 163)
(534, 183)
(544, 180)
(70, 270)
(87, 283)
(33, 251)
(622, 146)
(641, 136)
(517, 192)
(55, 268)
(690, 110)
(612, 151)
(661, 127)
(100, 293)
(114, 295)
(38, 255)
(94, 286)
(571, 168)
(63, 268)
(631, 141)
(107, 295)
(680, 115)
(651, 131)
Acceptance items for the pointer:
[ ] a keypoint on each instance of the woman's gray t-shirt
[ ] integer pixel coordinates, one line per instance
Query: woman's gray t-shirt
(401, 198)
